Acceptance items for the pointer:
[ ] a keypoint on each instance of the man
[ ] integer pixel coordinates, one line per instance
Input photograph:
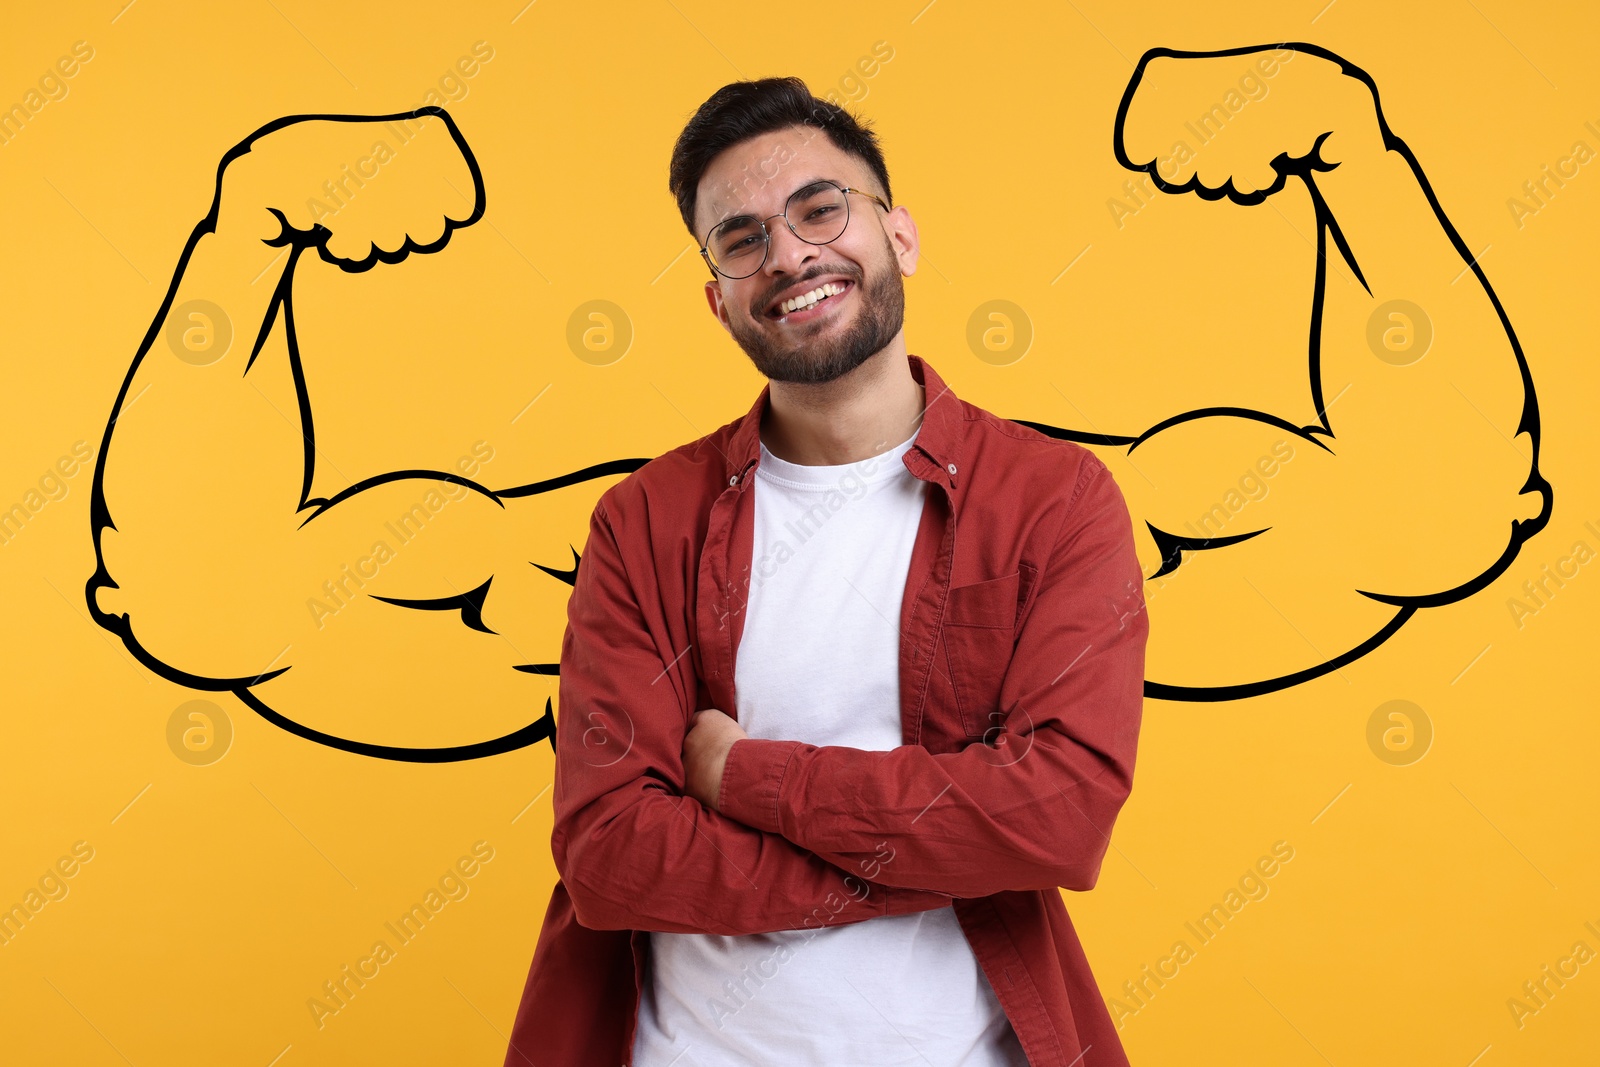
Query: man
(850, 687)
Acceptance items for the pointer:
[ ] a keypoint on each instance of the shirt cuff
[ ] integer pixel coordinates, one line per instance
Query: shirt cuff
(752, 780)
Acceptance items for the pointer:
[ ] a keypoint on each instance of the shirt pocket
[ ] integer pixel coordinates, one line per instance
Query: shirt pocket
(978, 636)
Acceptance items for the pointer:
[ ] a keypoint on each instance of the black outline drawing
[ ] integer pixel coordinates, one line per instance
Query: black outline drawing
(470, 605)
(1171, 544)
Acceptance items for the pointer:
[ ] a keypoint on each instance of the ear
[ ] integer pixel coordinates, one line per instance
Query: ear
(901, 230)
(714, 298)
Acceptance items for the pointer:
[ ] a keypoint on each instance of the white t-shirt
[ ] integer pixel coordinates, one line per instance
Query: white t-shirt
(818, 661)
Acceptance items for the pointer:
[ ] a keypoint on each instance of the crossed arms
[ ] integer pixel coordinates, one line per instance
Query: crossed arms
(811, 835)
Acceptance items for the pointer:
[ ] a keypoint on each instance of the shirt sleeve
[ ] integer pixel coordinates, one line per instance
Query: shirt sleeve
(1032, 806)
(633, 850)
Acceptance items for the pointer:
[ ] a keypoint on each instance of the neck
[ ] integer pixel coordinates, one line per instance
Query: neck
(852, 418)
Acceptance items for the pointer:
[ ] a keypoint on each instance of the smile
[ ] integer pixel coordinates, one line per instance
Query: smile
(812, 304)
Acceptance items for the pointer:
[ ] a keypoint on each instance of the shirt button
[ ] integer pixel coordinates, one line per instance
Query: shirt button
(951, 468)
(734, 480)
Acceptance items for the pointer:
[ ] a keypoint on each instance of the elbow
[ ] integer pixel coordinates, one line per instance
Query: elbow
(592, 910)
(1078, 874)
(1079, 870)
(558, 848)
(1081, 874)
(603, 897)
(1075, 867)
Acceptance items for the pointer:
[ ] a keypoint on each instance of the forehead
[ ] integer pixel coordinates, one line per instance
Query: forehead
(755, 177)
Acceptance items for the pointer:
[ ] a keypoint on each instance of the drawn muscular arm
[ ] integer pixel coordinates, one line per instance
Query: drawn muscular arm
(1416, 478)
(398, 609)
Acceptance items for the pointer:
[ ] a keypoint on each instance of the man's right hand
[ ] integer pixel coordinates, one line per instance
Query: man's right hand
(359, 178)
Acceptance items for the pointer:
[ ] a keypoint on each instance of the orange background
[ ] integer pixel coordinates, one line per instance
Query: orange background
(220, 898)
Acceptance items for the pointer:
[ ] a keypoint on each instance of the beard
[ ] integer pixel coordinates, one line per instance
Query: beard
(836, 349)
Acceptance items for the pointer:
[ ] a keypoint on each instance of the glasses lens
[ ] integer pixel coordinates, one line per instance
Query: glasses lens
(818, 213)
(737, 245)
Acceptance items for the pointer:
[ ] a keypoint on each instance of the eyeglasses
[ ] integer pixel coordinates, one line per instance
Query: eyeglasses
(737, 247)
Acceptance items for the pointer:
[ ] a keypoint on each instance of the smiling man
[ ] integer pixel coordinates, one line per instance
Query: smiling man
(850, 687)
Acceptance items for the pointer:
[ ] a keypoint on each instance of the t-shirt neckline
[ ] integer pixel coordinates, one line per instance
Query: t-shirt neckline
(871, 470)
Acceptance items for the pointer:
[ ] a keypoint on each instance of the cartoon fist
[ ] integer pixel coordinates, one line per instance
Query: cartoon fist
(1236, 123)
(362, 189)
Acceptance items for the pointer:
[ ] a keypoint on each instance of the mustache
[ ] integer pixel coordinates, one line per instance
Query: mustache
(760, 308)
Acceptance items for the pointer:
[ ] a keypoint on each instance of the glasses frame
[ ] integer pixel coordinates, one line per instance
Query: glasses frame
(766, 234)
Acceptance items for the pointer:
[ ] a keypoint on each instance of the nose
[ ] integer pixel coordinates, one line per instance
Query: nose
(786, 253)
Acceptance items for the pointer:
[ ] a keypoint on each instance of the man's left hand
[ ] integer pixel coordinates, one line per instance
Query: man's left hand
(705, 751)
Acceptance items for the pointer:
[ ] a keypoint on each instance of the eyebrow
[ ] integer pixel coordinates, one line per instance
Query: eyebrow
(803, 185)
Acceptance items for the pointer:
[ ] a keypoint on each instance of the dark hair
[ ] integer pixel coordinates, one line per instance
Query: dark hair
(741, 110)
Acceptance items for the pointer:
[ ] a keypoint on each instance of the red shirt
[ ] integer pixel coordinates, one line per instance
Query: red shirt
(1021, 688)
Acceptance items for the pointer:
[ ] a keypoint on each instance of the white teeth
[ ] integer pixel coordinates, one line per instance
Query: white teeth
(805, 300)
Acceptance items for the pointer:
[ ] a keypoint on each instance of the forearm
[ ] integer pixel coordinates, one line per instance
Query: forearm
(648, 859)
(1421, 298)
(1400, 240)
(188, 411)
(968, 824)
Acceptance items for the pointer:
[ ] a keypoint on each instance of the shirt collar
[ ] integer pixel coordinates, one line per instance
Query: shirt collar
(935, 454)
